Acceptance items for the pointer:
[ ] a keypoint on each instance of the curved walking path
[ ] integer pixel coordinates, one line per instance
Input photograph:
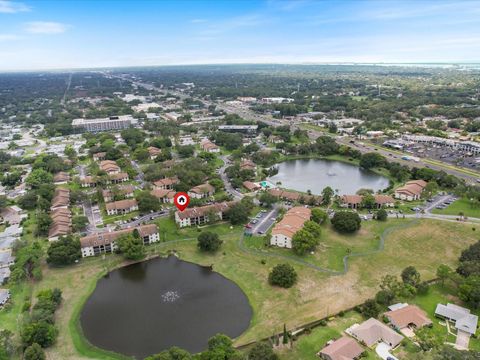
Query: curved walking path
(380, 247)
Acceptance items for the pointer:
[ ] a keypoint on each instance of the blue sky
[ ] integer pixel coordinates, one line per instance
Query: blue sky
(70, 34)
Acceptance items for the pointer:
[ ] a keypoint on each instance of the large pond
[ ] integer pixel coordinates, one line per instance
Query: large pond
(316, 174)
(148, 307)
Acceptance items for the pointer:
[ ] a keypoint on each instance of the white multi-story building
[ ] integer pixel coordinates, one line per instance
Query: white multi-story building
(104, 124)
(101, 243)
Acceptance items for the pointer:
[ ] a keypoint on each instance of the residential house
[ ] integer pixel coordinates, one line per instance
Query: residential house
(201, 191)
(121, 207)
(60, 214)
(99, 156)
(4, 296)
(104, 242)
(61, 178)
(12, 215)
(344, 348)
(250, 186)
(208, 146)
(352, 201)
(166, 183)
(61, 199)
(408, 316)
(464, 320)
(118, 178)
(109, 166)
(412, 190)
(164, 195)
(274, 139)
(246, 164)
(372, 331)
(201, 215)
(88, 181)
(293, 220)
(153, 152)
(125, 191)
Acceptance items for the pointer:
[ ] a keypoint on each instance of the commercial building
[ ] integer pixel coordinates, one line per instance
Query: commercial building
(101, 243)
(292, 221)
(104, 124)
(245, 129)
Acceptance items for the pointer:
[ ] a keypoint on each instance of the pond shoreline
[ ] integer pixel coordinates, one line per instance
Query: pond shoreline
(197, 279)
(353, 170)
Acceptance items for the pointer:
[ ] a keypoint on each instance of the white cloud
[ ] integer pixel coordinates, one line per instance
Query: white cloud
(45, 27)
(12, 7)
(8, 37)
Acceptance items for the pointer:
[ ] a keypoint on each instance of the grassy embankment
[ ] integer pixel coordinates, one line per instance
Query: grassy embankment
(315, 296)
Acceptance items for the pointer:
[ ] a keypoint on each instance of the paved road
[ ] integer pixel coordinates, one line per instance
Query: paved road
(145, 219)
(140, 177)
(237, 195)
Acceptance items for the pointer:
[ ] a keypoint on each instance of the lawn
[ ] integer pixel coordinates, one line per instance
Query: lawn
(460, 206)
(315, 296)
(307, 345)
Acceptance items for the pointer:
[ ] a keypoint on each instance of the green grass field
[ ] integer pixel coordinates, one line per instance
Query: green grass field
(460, 206)
(315, 296)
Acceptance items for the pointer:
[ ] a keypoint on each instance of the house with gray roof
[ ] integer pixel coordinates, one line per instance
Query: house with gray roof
(464, 321)
(4, 296)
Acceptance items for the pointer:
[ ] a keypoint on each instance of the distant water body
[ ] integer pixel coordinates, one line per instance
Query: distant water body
(316, 174)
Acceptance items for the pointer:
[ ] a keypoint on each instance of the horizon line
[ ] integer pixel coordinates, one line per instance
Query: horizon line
(335, 63)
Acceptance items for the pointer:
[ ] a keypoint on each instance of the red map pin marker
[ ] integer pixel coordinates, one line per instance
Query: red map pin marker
(181, 200)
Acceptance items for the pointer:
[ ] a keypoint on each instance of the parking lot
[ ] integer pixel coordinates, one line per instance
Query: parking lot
(262, 222)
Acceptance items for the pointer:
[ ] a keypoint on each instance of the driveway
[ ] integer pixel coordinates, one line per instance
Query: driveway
(462, 341)
(383, 350)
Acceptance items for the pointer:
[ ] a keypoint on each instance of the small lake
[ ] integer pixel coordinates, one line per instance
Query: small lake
(148, 307)
(316, 174)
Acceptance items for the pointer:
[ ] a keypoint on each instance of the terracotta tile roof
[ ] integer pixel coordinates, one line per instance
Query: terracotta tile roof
(162, 193)
(407, 315)
(344, 348)
(250, 186)
(59, 229)
(203, 210)
(153, 151)
(109, 166)
(88, 180)
(352, 199)
(414, 187)
(166, 182)
(292, 221)
(123, 190)
(203, 189)
(119, 176)
(383, 199)
(61, 177)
